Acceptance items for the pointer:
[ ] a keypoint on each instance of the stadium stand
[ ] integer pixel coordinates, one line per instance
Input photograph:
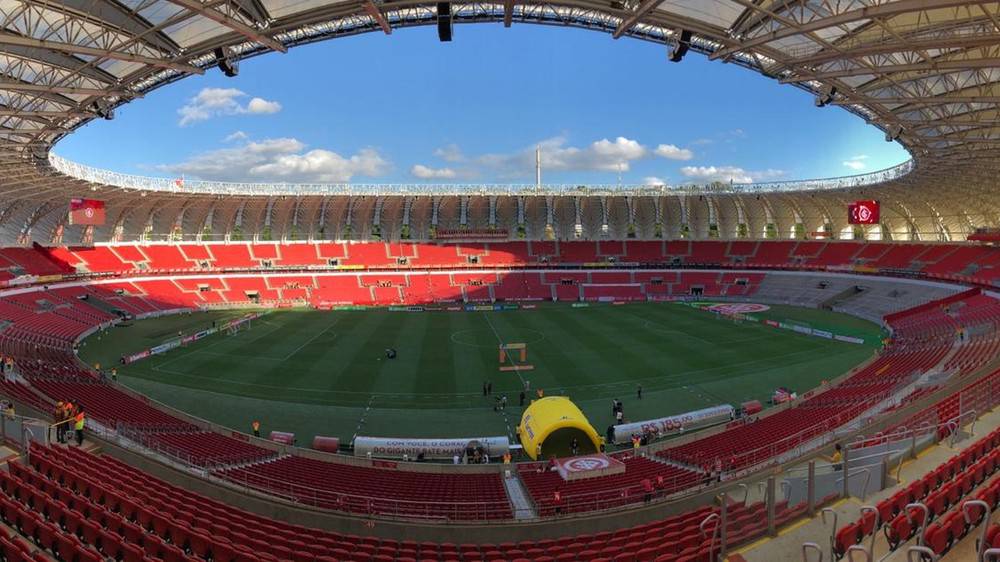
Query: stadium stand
(921, 341)
(361, 489)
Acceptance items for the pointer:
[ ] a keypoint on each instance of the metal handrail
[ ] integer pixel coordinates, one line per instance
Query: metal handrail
(923, 522)
(923, 553)
(833, 530)
(876, 526)
(984, 521)
(806, 547)
(858, 548)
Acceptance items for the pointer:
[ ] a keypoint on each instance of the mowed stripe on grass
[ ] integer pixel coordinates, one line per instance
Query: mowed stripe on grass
(310, 360)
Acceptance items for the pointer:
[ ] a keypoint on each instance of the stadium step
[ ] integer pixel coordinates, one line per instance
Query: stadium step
(523, 508)
(677, 464)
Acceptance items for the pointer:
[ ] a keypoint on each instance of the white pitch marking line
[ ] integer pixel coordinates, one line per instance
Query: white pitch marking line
(312, 339)
(499, 339)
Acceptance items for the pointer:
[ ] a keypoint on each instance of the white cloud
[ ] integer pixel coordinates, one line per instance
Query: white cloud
(672, 152)
(653, 181)
(213, 102)
(601, 156)
(450, 153)
(281, 159)
(604, 155)
(727, 174)
(426, 173)
(236, 136)
(260, 106)
(856, 162)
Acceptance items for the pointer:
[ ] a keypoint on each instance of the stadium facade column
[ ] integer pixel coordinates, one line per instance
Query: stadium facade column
(811, 489)
(771, 528)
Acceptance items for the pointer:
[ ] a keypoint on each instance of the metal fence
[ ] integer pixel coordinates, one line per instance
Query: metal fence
(178, 185)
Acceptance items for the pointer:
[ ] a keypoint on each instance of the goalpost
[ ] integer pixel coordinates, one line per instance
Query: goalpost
(514, 357)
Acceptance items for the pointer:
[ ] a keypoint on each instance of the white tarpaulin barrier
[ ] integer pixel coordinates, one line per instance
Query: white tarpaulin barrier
(674, 424)
(431, 448)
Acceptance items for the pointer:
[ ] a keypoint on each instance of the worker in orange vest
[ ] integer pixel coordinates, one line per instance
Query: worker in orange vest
(79, 422)
(255, 425)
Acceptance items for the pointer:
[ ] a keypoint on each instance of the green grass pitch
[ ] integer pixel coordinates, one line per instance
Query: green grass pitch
(317, 372)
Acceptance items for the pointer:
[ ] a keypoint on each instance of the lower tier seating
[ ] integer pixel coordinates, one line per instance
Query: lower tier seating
(86, 508)
(361, 489)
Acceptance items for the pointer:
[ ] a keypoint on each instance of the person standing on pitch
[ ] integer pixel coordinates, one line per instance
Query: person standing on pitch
(255, 426)
(639, 392)
(521, 403)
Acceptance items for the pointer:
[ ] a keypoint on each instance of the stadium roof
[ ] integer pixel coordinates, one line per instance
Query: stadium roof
(928, 70)
(925, 71)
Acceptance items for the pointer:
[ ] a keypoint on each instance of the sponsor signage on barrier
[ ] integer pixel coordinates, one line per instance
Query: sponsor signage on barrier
(430, 448)
(580, 304)
(136, 356)
(199, 335)
(848, 339)
(673, 424)
(480, 307)
(177, 342)
(471, 233)
(164, 347)
(822, 334)
(406, 309)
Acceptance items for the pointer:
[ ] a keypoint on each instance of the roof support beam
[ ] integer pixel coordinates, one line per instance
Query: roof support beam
(373, 10)
(909, 45)
(508, 12)
(893, 69)
(950, 123)
(12, 39)
(55, 59)
(114, 14)
(4, 112)
(882, 10)
(933, 100)
(67, 90)
(641, 10)
(245, 30)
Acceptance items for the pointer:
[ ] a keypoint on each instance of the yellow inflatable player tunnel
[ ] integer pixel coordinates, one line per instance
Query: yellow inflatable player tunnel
(549, 425)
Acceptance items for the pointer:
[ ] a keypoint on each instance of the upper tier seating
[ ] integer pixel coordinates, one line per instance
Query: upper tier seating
(968, 263)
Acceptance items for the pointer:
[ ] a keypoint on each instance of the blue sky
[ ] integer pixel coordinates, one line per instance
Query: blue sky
(407, 108)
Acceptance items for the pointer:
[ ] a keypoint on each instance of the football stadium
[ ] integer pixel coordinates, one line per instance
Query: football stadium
(290, 365)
